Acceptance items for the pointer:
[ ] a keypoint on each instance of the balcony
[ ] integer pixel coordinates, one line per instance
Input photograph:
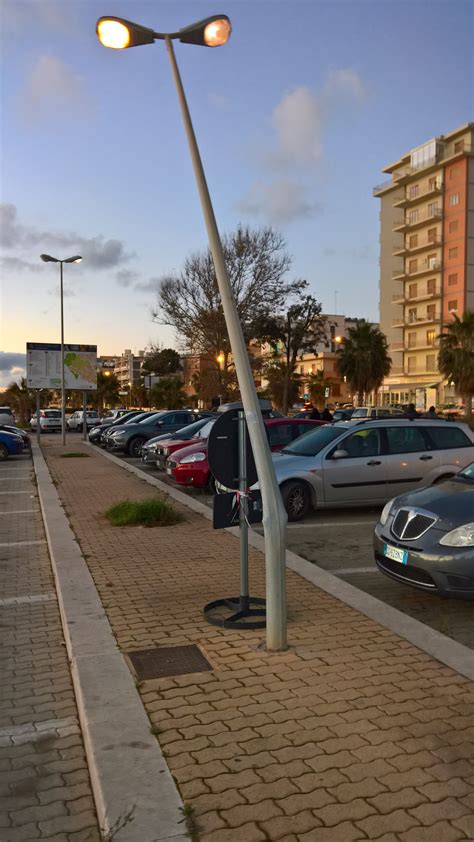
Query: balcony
(397, 346)
(422, 346)
(398, 323)
(425, 269)
(424, 296)
(422, 320)
(422, 219)
(410, 200)
(406, 250)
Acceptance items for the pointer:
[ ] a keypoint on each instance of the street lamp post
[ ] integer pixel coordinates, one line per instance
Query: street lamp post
(47, 258)
(213, 32)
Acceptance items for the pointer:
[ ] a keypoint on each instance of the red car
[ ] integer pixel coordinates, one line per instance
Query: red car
(189, 465)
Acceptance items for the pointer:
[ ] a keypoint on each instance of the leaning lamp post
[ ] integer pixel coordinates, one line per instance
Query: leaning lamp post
(215, 31)
(47, 258)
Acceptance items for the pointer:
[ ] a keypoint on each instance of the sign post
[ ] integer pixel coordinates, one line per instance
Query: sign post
(84, 416)
(38, 416)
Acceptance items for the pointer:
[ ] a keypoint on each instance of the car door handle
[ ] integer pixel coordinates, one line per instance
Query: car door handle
(374, 462)
(425, 458)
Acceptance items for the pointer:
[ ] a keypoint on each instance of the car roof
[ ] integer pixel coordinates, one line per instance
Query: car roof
(276, 422)
(399, 421)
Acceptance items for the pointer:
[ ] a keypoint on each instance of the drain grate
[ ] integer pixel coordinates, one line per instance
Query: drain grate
(168, 660)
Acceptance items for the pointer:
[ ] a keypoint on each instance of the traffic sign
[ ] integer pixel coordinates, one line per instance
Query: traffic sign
(223, 451)
(326, 392)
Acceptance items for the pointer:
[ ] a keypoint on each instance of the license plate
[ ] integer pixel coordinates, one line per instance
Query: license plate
(395, 553)
(169, 471)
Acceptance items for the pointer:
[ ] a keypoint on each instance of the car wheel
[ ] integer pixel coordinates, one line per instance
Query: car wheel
(3, 452)
(135, 446)
(295, 499)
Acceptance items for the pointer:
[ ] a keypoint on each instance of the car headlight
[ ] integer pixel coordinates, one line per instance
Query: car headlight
(462, 536)
(193, 457)
(386, 511)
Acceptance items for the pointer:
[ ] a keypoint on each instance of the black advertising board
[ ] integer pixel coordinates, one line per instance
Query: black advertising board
(226, 509)
(223, 451)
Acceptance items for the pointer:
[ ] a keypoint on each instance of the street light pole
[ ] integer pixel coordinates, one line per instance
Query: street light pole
(47, 258)
(274, 514)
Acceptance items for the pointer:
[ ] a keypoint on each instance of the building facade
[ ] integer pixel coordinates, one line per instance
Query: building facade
(426, 260)
(128, 368)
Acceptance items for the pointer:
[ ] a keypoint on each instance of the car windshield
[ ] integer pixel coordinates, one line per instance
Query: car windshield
(311, 443)
(191, 429)
(148, 416)
(204, 431)
(360, 413)
(467, 474)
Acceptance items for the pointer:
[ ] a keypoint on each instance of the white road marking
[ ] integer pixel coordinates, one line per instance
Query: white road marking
(18, 476)
(16, 492)
(347, 571)
(332, 523)
(22, 543)
(21, 512)
(22, 600)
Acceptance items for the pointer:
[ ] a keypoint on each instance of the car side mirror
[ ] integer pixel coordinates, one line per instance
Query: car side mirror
(340, 454)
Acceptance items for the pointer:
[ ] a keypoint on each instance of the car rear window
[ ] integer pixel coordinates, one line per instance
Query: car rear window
(448, 437)
(52, 413)
(314, 441)
(404, 439)
(279, 435)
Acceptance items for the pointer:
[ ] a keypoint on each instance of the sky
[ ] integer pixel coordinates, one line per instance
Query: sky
(295, 118)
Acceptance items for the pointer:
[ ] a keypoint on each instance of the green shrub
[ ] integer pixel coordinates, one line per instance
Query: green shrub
(153, 512)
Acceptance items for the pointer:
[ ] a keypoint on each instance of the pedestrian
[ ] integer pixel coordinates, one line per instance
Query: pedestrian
(314, 414)
(411, 412)
(326, 415)
(431, 413)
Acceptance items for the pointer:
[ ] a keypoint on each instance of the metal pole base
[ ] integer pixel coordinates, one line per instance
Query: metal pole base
(241, 614)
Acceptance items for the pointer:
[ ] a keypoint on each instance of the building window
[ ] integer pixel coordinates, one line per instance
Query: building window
(430, 362)
(432, 209)
(412, 265)
(301, 369)
(412, 314)
(412, 340)
(431, 261)
(452, 306)
(452, 279)
(453, 225)
(433, 183)
(431, 286)
(413, 217)
(413, 241)
(411, 364)
(414, 190)
(430, 337)
(453, 253)
(432, 235)
(454, 199)
(431, 312)
(412, 290)
(459, 146)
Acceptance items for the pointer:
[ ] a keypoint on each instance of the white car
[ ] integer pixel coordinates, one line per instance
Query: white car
(76, 422)
(50, 420)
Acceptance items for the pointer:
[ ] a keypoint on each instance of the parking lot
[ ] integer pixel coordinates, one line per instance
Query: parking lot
(340, 541)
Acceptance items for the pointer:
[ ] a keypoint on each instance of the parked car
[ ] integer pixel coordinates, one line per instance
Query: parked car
(189, 466)
(10, 445)
(7, 416)
(157, 449)
(342, 414)
(361, 412)
(76, 421)
(96, 432)
(129, 438)
(426, 538)
(17, 431)
(50, 421)
(113, 414)
(266, 408)
(365, 463)
(136, 416)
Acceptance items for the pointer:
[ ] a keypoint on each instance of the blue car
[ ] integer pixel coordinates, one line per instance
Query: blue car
(10, 445)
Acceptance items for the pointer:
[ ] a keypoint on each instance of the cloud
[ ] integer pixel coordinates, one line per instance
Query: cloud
(344, 84)
(126, 277)
(281, 201)
(12, 367)
(51, 86)
(98, 252)
(20, 15)
(15, 264)
(148, 286)
(297, 121)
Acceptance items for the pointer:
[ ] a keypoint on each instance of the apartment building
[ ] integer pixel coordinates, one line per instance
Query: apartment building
(426, 260)
(128, 368)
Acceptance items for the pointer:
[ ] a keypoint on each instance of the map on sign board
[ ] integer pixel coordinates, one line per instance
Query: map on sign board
(43, 366)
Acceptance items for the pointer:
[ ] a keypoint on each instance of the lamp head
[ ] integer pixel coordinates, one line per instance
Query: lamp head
(119, 33)
(210, 32)
(75, 259)
(46, 258)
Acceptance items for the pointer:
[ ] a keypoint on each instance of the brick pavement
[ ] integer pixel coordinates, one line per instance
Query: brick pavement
(352, 734)
(45, 791)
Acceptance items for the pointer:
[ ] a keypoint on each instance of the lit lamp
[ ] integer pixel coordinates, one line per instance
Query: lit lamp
(76, 258)
(215, 31)
(220, 359)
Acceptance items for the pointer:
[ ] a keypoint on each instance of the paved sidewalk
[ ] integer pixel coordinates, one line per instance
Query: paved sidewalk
(45, 791)
(352, 734)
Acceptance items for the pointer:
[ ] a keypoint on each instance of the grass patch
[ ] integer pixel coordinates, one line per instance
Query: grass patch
(75, 455)
(143, 513)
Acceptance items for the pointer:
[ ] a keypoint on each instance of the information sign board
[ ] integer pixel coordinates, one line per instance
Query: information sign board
(43, 366)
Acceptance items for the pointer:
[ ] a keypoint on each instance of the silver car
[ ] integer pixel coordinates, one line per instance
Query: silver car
(360, 463)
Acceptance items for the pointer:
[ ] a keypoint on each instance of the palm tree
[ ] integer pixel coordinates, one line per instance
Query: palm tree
(456, 355)
(107, 392)
(363, 358)
(282, 388)
(21, 399)
(316, 387)
(169, 394)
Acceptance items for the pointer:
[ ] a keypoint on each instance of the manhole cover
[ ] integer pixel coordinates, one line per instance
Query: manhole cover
(168, 660)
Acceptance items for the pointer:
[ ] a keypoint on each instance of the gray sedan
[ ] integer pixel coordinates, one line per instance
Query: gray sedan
(426, 538)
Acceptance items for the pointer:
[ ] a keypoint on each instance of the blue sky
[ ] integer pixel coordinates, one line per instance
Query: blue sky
(295, 117)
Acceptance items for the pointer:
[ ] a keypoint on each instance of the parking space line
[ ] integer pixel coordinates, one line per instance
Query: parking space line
(332, 523)
(3, 493)
(21, 512)
(347, 571)
(27, 600)
(23, 543)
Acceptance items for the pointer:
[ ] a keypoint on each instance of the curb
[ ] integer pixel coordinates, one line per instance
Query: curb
(454, 655)
(129, 775)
